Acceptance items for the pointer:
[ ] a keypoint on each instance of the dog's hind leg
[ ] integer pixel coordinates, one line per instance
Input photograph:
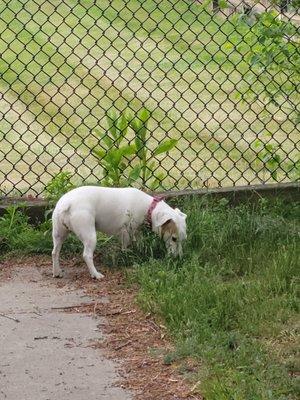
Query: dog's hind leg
(59, 234)
(84, 228)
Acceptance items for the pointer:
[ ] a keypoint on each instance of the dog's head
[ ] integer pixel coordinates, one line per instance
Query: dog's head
(170, 225)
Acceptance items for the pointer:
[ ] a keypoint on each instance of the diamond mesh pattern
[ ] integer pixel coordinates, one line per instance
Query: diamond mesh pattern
(64, 65)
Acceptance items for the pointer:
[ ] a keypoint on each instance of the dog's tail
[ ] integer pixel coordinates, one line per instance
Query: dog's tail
(60, 217)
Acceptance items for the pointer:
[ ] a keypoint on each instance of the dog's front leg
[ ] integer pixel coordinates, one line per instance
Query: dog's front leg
(125, 238)
(88, 253)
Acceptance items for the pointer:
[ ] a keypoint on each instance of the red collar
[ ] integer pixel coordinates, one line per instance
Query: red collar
(155, 201)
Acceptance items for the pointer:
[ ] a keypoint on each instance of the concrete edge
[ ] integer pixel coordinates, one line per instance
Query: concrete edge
(36, 208)
(289, 189)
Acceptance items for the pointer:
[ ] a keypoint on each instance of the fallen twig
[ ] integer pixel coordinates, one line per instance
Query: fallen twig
(7, 316)
(123, 345)
(70, 307)
(37, 313)
(129, 312)
(194, 388)
(95, 307)
(154, 325)
(113, 313)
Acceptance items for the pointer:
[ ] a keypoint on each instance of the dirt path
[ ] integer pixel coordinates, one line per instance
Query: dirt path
(47, 354)
(71, 353)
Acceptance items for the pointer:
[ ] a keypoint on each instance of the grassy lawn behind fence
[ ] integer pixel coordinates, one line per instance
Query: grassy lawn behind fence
(63, 66)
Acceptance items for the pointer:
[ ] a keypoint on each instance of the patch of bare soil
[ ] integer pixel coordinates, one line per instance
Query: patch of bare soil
(134, 338)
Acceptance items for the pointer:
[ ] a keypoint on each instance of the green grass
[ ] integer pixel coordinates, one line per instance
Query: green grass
(63, 66)
(231, 303)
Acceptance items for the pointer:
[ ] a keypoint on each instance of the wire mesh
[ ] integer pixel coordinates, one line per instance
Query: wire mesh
(201, 70)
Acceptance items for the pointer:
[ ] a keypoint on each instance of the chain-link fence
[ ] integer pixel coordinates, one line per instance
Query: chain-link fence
(165, 94)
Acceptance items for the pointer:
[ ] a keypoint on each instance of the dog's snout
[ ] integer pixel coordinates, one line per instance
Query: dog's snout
(174, 249)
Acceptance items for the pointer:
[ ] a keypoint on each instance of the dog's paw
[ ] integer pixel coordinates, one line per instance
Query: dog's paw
(58, 274)
(97, 276)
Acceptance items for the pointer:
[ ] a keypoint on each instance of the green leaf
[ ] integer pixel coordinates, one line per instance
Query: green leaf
(100, 153)
(98, 132)
(160, 176)
(274, 175)
(128, 150)
(255, 59)
(123, 165)
(122, 125)
(139, 144)
(129, 116)
(135, 172)
(143, 133)
(115, 176)
(272, 164)
(112, 119)
(151, 167)
(107, 141)
(237, 95)
(140, 129)
(270, 147)
(165, 146)
(265, 157)
(204, 4)
(223, 4)
(136, 125)
(228, 46)
(113, 157)
(277, 158)
(143, 115)
(257, 143)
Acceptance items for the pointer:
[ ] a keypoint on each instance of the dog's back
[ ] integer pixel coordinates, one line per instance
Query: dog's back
(110, 207)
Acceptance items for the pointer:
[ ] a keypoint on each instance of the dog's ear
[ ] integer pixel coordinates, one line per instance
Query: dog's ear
(183, 215)
(167, 225)
(159, 219)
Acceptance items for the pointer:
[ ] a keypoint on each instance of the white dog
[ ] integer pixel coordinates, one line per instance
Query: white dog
(113, 211)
